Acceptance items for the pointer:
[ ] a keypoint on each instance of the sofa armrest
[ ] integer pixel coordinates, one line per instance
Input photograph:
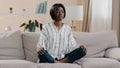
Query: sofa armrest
(113, 53)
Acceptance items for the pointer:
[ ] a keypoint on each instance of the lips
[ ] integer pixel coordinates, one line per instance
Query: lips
(59, 17)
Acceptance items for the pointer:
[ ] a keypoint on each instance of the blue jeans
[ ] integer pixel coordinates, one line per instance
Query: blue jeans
(72, 56)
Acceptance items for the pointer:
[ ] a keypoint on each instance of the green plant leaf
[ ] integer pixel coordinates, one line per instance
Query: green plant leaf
(41, 26)
(26, 27)
(30, 21)
(22, 24)
(36, 23)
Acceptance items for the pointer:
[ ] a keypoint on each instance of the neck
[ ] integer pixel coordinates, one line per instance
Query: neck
(58, 23)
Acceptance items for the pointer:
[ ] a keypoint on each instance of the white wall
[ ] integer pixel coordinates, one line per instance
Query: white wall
(19, 16)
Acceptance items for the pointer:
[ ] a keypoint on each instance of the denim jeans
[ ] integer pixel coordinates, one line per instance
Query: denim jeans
(72, 56)
(46, 57)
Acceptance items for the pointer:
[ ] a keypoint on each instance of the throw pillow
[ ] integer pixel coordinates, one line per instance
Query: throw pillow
(11, 45)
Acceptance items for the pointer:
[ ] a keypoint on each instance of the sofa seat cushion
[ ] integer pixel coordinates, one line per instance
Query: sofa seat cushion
(57, 65)
(11, 45)
(113, 53)
(17, 64)
(98, 63)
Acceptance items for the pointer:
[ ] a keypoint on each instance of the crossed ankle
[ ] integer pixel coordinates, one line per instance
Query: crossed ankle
(57, 62)
(64, 60)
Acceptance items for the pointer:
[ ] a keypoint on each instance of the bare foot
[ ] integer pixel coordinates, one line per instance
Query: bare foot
(57, 62)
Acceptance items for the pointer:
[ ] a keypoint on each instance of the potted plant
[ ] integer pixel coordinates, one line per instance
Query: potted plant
(30, 26)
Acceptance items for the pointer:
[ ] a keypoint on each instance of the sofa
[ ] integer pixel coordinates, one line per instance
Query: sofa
(18, 50)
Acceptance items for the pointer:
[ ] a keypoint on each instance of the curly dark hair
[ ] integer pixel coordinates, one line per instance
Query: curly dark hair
(54, 9)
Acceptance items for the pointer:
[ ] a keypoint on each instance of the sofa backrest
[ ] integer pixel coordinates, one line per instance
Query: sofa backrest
(96, 43)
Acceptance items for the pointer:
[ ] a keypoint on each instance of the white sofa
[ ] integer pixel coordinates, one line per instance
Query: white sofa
(18, 50)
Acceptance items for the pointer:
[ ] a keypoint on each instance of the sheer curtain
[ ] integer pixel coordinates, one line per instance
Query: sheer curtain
(97, 15)
(101, 15)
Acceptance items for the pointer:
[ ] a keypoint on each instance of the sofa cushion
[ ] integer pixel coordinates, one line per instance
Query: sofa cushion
(98, 63)
(97, 42)
(113, 53)
(11, 45)
(17, 64)
(30, 40)
(57, 65)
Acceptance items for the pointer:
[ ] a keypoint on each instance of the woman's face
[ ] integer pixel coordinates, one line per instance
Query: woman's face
(59, 14)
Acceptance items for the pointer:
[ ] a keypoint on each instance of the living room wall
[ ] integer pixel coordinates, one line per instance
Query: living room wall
(24, 10)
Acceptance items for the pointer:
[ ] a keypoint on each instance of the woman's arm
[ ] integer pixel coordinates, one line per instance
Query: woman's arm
(41, 46)
(73, 44)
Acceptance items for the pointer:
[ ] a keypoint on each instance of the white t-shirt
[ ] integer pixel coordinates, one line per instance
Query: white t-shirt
(57, 42)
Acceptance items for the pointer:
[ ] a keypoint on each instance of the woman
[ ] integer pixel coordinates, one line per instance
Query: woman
(56, 42)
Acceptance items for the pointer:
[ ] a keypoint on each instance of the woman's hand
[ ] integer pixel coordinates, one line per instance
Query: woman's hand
(83, 47)
(41, 51)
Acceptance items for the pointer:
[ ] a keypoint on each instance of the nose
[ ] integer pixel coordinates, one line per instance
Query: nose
(60, 13)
